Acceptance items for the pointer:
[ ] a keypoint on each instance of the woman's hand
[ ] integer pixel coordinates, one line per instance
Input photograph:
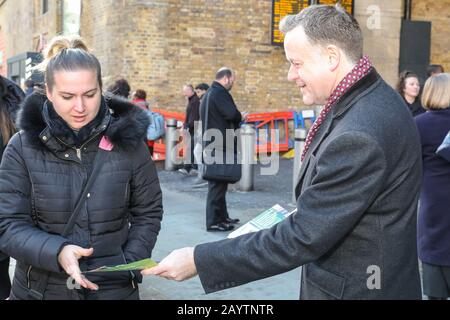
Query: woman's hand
(68, 259)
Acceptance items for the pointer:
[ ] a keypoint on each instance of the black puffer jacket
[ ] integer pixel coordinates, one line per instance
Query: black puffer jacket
(43, 172)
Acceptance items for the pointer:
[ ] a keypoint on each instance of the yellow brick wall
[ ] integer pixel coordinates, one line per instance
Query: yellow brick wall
(438, 12)
(159, 45)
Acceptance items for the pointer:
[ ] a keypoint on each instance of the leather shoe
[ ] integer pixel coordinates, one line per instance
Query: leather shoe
(229, 220)
(220, 227)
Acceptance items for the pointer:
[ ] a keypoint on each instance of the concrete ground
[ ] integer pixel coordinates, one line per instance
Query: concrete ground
(184, 225)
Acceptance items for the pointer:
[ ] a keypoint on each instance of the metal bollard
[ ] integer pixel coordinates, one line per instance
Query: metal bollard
(248, 137)
(171, 142)
(300, 138)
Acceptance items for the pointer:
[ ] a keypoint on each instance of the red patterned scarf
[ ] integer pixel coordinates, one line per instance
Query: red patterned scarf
(362, 68)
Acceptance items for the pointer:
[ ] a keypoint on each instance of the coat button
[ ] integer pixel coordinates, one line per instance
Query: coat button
(66, 155)
(44, 138)
(88, 195)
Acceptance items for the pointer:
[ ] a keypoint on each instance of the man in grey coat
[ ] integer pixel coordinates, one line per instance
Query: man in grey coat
(354, 232)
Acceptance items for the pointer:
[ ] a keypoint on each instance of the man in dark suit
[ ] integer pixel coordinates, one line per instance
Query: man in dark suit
(223, 115)
(354, 232)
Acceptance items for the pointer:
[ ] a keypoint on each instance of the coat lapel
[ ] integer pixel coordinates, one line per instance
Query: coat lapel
(324, 129)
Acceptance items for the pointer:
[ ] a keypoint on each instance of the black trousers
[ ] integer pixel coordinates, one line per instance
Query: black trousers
(5, 282)
(216, 206)
(192, 164)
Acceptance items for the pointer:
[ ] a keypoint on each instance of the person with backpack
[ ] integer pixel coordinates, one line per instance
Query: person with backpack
(78, 188)
(10, 98)
(140, 99)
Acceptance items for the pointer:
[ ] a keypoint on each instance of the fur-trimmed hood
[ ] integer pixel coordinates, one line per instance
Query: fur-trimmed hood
(126, 124)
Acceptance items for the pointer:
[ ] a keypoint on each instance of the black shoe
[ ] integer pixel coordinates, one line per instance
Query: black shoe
(229, 220)
(220, 227)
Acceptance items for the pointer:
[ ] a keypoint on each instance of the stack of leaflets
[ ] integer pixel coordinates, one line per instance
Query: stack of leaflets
(265, 220)
(137, 265)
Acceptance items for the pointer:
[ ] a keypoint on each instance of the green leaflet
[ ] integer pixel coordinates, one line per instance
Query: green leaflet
(138, 265)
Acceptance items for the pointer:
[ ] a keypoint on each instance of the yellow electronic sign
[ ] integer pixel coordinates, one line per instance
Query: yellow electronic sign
(347, 4)
(282, 8)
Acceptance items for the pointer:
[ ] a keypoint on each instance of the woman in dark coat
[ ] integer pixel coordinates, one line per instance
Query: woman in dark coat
(45, 169)
(10, 97)
(409, 88)
(434, 215)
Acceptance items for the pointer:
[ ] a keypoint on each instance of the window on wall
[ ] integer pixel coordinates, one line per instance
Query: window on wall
(44, 6)
(71, 17)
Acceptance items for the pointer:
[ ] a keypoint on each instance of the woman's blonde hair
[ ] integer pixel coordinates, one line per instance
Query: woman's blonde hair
(436, 92)
(68, 54)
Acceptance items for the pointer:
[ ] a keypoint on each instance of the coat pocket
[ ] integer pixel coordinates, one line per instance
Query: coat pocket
(326, 281)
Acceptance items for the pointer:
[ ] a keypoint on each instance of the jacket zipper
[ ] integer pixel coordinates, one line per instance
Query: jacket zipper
(28, 277)
(78, 151)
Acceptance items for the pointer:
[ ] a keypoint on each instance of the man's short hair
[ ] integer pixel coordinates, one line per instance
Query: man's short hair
(224, 72)
(434, 68)
(324, 25)
(202, 86)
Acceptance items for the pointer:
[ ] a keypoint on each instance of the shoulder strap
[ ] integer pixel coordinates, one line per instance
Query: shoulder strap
(205, 126)
(98, 162)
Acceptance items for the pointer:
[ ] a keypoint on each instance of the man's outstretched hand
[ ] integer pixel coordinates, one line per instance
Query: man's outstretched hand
(178, 265)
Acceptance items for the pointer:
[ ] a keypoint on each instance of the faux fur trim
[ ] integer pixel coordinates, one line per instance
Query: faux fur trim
(128, 125)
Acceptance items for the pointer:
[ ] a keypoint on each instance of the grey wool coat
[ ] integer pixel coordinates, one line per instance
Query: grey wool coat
(357, 193)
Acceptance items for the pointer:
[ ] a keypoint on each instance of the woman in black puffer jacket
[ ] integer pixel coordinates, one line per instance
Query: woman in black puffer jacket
(10, 98)
(44, 171)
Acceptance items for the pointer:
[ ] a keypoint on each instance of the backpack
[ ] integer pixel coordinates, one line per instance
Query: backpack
(156, 128)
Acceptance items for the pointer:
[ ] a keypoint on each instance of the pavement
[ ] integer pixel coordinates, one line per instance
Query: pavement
(184, 225)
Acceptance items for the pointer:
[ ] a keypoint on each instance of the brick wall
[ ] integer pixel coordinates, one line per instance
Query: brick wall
(159, 45)
(438, 12)
(3, 66)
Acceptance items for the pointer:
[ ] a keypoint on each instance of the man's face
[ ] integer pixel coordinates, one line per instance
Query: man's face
(76, 96)
(309, 67)
(229, 82)
(187, 92)
(200, 92)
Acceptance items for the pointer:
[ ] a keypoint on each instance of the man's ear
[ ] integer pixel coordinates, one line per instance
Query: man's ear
(334, 57)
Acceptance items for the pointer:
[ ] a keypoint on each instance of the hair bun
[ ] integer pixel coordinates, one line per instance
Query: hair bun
(61, 43)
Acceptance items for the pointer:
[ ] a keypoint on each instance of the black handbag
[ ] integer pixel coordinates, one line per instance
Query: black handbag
(221, 172)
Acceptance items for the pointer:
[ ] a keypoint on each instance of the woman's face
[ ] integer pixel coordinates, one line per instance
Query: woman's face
(412, 87)
(76, 96)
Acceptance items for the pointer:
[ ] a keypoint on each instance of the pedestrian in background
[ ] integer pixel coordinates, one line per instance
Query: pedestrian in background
(408, 87)
(434, 69)
(434, 212)
(78, 188)
(120, 88)
(192, 116)
(200, 89)
(29, 87)
(139, 98)
(222, 115)
(9, 102)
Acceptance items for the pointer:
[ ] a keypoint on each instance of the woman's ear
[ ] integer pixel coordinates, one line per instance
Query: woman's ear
(48, 93)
